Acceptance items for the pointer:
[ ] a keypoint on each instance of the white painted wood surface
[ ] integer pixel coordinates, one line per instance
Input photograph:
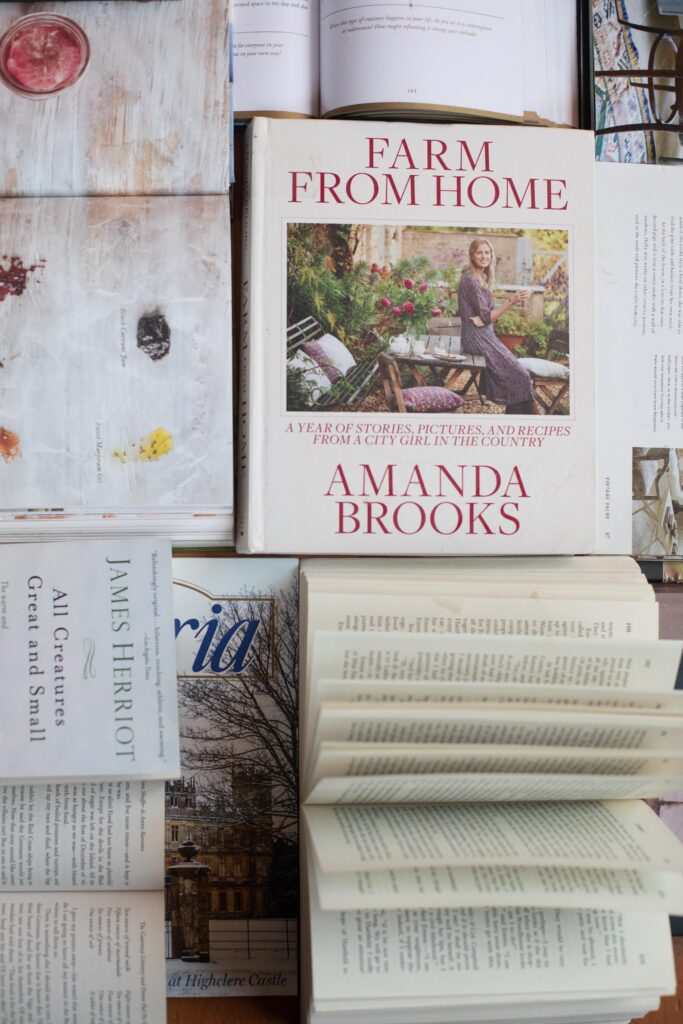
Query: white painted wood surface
(74, 385)
(150, 115)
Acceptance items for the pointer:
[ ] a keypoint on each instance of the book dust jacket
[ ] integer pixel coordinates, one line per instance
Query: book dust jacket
(417, 340)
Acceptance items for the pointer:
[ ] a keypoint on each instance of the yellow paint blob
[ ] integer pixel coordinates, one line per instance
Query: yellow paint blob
(156, 445)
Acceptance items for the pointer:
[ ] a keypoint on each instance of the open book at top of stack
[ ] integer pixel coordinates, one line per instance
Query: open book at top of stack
(505, 60)
(475, 735)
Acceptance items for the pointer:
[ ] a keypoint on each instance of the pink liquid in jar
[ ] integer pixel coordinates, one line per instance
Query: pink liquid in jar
(42, 54)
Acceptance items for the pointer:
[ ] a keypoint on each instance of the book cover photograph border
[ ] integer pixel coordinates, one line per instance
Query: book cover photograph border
(392, 318)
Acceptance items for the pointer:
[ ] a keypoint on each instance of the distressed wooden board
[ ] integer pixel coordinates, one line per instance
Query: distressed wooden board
(149, 116)
(76, 387)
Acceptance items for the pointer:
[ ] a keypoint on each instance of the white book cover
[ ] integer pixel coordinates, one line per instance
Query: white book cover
(639, 281)
(418, 362)
(115, 325)
(86, 646)
(122, 98)
(236, 624)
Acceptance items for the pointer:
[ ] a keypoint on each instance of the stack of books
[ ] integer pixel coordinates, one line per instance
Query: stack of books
(456, 338)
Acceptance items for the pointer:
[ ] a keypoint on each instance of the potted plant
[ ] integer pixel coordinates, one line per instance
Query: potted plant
(512, 329)
(536, 342)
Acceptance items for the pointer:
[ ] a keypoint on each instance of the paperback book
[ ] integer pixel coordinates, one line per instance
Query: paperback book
(236, 623)
(85, 634)
(377, 397)
(333, 58)
(115, 325)
(470, 823)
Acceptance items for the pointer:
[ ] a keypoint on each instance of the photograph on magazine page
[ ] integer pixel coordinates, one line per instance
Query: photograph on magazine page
(428, 319)
(657, 501)
(231, 819)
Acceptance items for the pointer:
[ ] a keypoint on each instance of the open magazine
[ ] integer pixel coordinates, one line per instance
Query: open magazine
(471, 752)
(511, 60)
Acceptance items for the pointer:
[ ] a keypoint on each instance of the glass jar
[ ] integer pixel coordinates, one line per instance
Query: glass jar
(41, 55)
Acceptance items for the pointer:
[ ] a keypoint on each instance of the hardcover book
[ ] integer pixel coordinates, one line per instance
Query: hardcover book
(115, 327)
(237, 626)
(417, 356)
(95, 97)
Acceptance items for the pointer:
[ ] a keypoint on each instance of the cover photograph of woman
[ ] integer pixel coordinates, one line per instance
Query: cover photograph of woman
(424, 319)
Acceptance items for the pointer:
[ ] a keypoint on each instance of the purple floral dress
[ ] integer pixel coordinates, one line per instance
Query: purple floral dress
(504, 381)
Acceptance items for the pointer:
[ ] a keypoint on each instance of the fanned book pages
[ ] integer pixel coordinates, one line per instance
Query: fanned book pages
(388, 60)
(475, 738)
(96, 98)
(86, 646)
(115, 328)
(237, 632)
(417, 356)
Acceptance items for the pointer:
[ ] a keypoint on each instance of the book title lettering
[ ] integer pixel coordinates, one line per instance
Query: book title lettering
(393, 175)
(410, 516)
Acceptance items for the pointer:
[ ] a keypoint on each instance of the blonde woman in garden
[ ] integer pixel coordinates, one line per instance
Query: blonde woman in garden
(505, 380)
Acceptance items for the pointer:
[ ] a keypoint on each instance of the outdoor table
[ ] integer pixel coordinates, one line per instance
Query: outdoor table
(447, 367)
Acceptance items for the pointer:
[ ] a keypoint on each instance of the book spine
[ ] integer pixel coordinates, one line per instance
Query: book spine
(253, 358)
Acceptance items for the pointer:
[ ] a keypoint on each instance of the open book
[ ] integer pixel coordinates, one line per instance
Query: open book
(470, 769)
(511, 60)
(82, 902)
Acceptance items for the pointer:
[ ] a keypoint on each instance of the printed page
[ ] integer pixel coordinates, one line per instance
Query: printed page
(83, 956)
(640, 317)
(390, 55)
(86, 642)
(433, 723)
(275, 56)
(617, 834)
(352, 759)
(499, 886)
(82, 835)
(464, 953)
(408, 691)
(130, 125)
(112, 300)
(349, 656)
(479, 787)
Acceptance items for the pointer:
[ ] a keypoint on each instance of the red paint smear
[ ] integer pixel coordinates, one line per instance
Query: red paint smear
(44, 57)
(9, 445)
(14, 278)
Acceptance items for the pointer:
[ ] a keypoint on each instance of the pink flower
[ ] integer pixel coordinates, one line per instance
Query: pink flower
(408, 307)
(386, 302)
(436, 311)
(397, 311)
(409, 283)
(423, 288)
